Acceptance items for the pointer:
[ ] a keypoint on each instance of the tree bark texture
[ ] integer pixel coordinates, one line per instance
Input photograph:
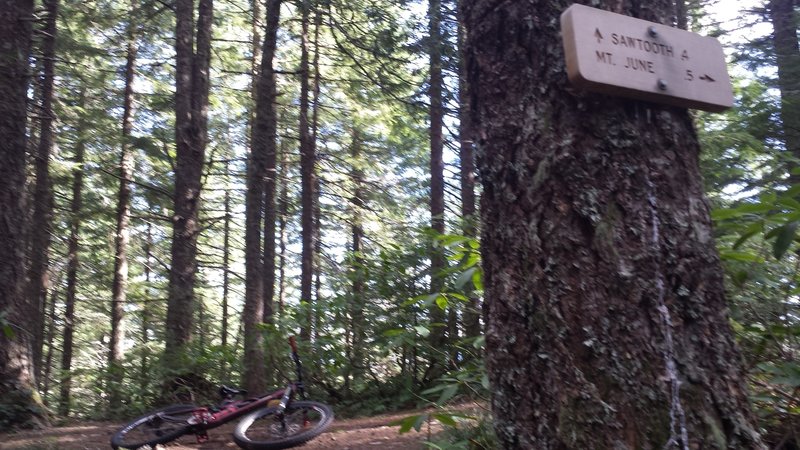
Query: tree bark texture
(226, 252)
(606, 320)
(50, 336)
(73, 263)
(267, 137)
(19, 404)
(787, 58)
(317, 310)
(144, 362)
(191, 117)
(358, 269)
(283, 213)
(436, 117)
(261, 175)
(307, 174)
(119, 285)
(472, 324)
(38, 276)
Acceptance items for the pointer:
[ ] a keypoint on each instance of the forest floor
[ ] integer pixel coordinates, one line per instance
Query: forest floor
(351, 434)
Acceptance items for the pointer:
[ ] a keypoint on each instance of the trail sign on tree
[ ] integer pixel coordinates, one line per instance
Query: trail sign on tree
(620, 55)
(605, 313)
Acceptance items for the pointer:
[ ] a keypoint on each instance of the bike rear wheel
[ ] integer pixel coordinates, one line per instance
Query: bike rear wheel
(158, 427)
(268, 429)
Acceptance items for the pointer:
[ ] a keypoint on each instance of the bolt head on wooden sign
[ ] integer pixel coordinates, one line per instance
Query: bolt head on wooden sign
(620, 55)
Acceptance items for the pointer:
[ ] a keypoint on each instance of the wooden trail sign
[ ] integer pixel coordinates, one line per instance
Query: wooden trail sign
(620, 55)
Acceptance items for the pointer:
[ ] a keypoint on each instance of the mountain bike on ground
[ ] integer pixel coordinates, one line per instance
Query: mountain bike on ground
(271, 421)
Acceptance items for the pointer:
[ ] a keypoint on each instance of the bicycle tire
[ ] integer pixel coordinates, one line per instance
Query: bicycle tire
(154, 428)
(264, 430)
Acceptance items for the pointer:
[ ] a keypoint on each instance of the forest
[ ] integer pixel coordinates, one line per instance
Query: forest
(416, 191)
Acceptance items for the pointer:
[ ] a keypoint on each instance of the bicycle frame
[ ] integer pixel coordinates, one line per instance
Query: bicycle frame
(205, 419)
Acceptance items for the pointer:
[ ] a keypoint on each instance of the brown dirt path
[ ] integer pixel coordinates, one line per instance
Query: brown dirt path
(371, 433)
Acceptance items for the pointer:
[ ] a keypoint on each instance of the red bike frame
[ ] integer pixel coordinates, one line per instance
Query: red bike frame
(207, 418)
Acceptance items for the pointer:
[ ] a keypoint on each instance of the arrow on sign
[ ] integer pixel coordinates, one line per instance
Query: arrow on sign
(598, 35)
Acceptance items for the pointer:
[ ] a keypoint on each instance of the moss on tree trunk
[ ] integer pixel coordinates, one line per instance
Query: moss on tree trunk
(606, 319)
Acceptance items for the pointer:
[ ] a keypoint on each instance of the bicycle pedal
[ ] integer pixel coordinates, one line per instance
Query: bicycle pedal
(202, 437)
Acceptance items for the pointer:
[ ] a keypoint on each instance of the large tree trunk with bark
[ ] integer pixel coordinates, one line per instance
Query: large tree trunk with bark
(191, 118)
(38, 276)
(606, 319)
(19, 403)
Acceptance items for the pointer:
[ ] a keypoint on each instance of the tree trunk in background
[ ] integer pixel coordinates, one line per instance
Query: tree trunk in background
(38, 277)
(268, 137)
(122, 237)
(358, 300)
(283, 212)
(73, 263)
(472, 325)
(226, 252)
(681, 15)
(144, 365)
(191, 121)
(50, 336)
(253, 312)
(787, 58)
(436, 113)
(307, 159)
(317, 234)
(19, 404)
(261, 172)
(606, 320)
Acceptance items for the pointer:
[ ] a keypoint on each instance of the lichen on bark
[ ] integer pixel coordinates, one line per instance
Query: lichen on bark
(606, 321)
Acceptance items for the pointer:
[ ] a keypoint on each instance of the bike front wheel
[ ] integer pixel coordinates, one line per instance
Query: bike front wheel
(158, 427)
(270, 429)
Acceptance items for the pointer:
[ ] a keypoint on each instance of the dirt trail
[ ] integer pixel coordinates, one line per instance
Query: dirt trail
(353, 434)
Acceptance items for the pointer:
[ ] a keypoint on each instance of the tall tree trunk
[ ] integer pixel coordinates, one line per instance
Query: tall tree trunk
(262, 160)
(226, 240)
(73, 263)
(38, 277)
(49, 339)
(472, 325)
(253, 312)
(307, 160)
(191, 122)
(19, 404)
(606, 320)
(268, 137)
(144, 364)
(317, 233)
(358, 301)
(787, 57)
(436, 115)
(122, 237)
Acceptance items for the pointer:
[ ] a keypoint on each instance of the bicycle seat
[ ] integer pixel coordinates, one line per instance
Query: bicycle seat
(228, 392)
